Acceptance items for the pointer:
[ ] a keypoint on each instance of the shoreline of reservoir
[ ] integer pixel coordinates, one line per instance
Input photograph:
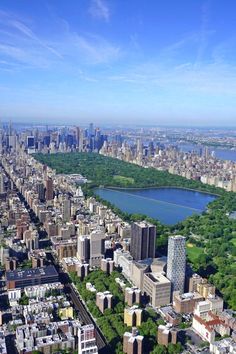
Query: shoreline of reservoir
(158, 187)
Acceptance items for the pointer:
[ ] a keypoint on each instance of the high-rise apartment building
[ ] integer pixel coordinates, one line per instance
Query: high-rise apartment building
(133, 342)
(2, 187)
(77, 132)
(30, 141)
(133, 316)
(143, 240)
(104, 300)
(166, 335)
(49, 188)
(107, 265)
(87, 340)
(66, 209)
(81, 141)
(90, 248)
(83, 248)
(97, 239)
(176, 262)
(41, 191)
(132, 296)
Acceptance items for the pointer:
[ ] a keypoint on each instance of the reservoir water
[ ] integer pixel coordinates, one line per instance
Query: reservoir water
(168, 205)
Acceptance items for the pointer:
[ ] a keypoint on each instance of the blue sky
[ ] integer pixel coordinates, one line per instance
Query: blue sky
(118, 61)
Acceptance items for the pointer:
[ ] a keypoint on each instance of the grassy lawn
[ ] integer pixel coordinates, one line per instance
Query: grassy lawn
(123, 180)
(193, 252)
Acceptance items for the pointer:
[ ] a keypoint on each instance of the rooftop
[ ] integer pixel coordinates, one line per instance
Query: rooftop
(31, 273)
(157, 278)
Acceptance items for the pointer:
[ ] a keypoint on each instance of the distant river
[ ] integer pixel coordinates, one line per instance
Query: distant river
(168, 205)
(222, 154)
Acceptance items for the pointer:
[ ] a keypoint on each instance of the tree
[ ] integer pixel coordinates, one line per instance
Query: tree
(24, 300)
(175, 348)
(159, 349)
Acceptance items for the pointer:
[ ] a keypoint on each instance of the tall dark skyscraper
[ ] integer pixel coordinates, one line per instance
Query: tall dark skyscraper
(49, 189)
(143, 240)
(30, 141)
(77, 137)
(91, 130)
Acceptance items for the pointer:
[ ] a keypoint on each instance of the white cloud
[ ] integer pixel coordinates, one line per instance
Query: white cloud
(19, 43)
(95, 49)
(21, 47)
(99, 9)
(21, 27)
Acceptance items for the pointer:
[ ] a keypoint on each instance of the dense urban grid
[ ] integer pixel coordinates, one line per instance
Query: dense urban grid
(80, 276)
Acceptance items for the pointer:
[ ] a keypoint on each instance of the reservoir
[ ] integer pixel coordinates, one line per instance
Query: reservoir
(168, 205)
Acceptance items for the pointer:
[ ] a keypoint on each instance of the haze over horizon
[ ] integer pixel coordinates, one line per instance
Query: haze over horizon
(114, 61)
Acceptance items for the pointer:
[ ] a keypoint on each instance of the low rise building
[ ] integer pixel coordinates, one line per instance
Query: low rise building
(14, 296)
(213, 304)
(223, 346)
(19, 279)
(90, 287)
(185, 303)
(208, 326)
(3, 348)
(169, 314)
(66, 312)
(228, 317)
(47, 338)
(41, 291)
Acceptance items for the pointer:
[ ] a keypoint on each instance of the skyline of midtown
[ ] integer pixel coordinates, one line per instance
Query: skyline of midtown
(4, 123)
(115, 62)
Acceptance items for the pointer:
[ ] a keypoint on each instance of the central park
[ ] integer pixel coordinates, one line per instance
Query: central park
(211, 233)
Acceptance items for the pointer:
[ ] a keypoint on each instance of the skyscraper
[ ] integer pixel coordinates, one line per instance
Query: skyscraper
(77, 137)
(97, 239)
(41, 191)
(91, 131)
(2, 187)
(176, 262)
(49, 189)
(66, 206)
(139, 146)
(81, 141)
(143, 240)
(83, 248)
(30, 141)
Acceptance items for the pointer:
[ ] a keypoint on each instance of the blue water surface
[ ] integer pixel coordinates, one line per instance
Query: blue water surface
(168, 205)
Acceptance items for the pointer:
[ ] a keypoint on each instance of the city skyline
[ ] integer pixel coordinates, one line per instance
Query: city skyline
(113, 62)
